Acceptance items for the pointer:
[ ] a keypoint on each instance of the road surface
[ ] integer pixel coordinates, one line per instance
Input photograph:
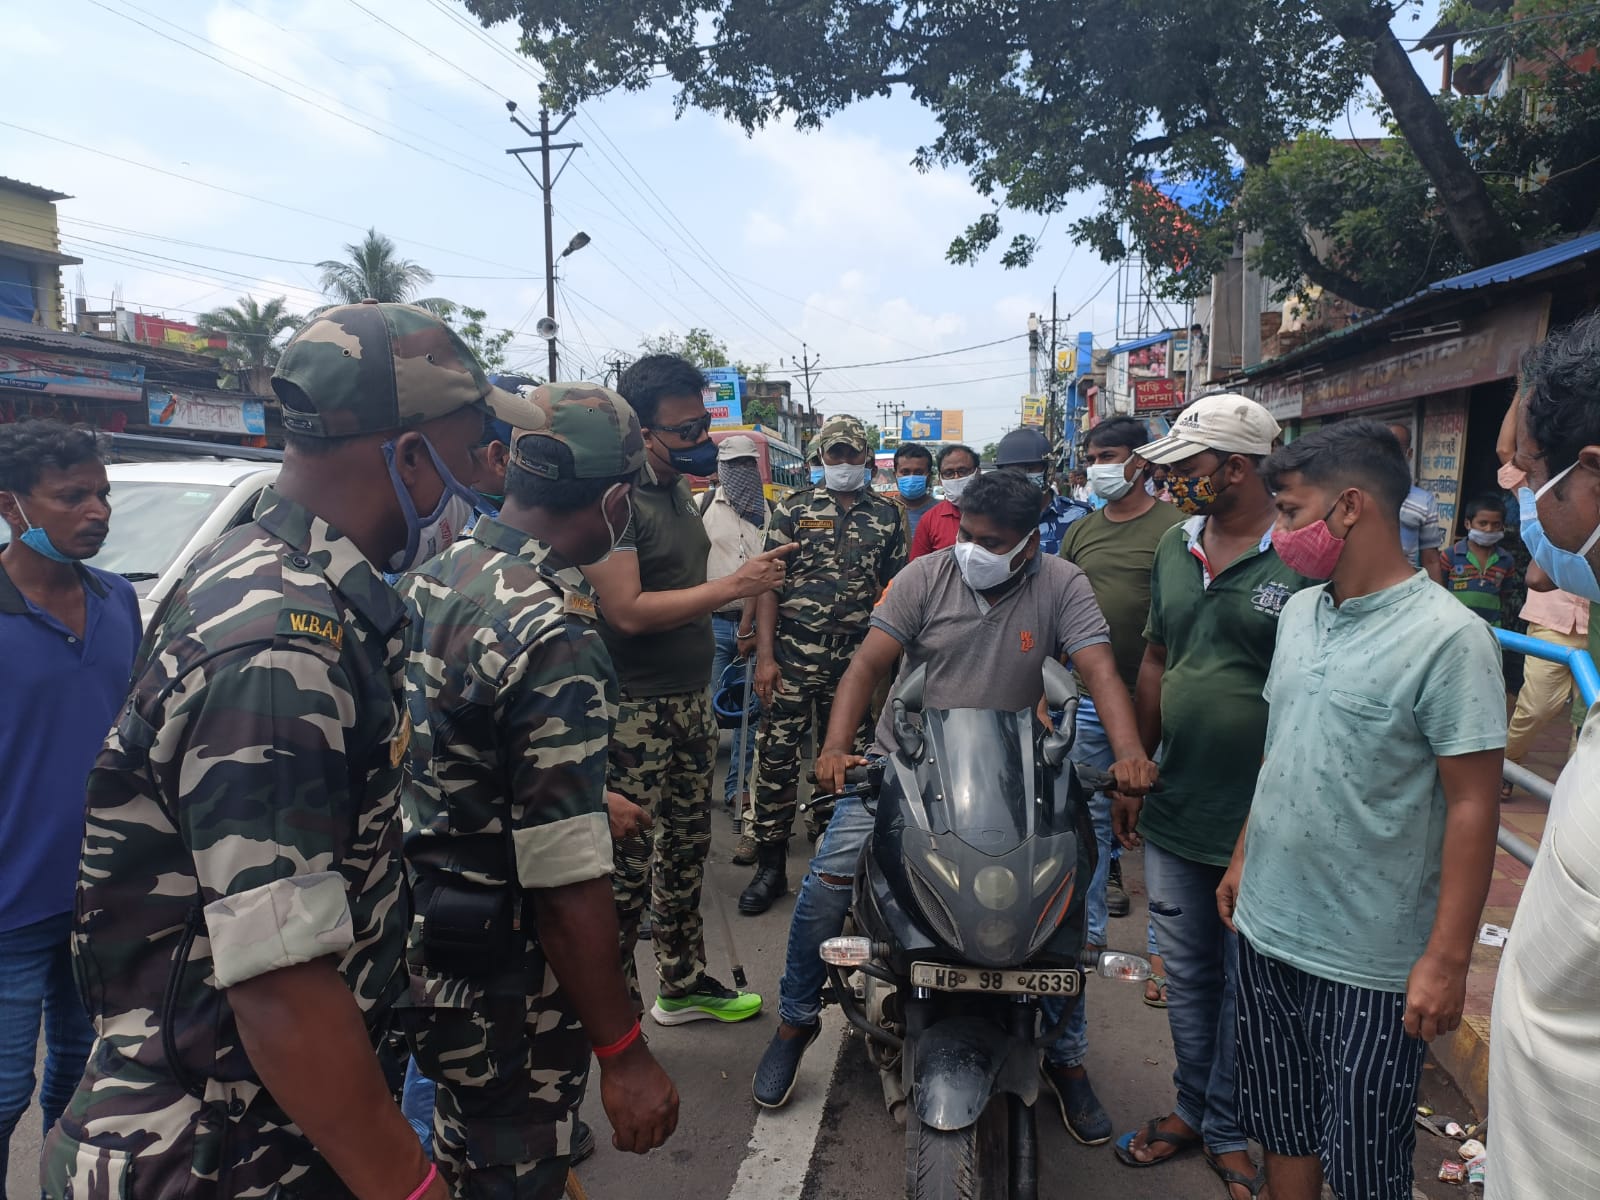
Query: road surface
(835, 1141)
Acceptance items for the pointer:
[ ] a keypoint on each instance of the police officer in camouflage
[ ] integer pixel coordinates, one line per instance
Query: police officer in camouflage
(241, 906)
(849, 542)
(513, 949)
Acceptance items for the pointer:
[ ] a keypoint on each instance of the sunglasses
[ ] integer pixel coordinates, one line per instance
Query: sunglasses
(689, 431)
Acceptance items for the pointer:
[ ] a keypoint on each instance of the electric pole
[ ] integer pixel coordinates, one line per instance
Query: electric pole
(546, 186)
(808, 367)
(618, 366)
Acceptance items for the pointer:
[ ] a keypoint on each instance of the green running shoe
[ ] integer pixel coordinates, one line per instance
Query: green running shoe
(711, 1001)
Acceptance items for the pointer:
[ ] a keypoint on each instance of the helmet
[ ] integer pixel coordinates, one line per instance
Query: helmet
(729, 700)
(1025, 445)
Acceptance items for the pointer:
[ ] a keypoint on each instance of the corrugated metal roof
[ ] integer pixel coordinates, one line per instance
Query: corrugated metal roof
(32, 189)
(82, 343)
(1128, 347)
(1512, 269)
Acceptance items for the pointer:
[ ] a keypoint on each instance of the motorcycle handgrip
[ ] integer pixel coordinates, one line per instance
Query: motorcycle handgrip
(857, 775)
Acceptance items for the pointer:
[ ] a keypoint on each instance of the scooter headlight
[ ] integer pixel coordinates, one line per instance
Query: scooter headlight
(995, 888)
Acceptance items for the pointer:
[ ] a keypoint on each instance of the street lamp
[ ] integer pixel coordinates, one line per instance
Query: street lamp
(578, 242)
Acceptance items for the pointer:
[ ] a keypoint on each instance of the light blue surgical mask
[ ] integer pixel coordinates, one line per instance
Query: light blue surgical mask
(427, 536)
(912, 487)
(816, 475)
(1569, 570)
(37, 540)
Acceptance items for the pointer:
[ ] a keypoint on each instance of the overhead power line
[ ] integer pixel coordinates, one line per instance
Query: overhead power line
(889, 362)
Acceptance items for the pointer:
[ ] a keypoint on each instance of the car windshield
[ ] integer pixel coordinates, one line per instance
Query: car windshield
(151, 523)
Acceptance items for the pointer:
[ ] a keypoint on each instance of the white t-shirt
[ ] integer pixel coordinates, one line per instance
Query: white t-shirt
(1544, 1040)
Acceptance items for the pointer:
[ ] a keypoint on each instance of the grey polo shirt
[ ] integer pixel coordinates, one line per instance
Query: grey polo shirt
(983, 655)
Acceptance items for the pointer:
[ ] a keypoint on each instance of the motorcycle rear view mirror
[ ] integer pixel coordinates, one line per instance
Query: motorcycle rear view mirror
(1060, 688)
(908, 700)
(1061, 694)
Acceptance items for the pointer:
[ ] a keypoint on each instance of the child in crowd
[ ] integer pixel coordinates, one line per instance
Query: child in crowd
(1358, 880)
(1483, 573)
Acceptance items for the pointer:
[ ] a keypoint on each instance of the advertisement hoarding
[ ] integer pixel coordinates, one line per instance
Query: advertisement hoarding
(1156, 395)
(185, 410)
(724, 396)
(1033, 410)
(59, 375)
(932, 425)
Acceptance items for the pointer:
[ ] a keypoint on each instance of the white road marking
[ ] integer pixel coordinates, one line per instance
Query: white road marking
(775, 1161)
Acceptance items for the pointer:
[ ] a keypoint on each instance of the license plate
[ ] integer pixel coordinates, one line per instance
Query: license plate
(973, 979)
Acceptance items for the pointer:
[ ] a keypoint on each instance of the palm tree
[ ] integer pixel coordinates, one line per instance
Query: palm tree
(375, 270)
(253, 331)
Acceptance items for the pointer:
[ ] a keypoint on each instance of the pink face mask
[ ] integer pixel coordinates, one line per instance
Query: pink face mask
(1312, 549)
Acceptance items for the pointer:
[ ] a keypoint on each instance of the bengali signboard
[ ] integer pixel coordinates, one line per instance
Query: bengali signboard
(210, 414)
(1487, 347)
(1441, 448)
(1157, 395)
(724, 396)
(60, 375)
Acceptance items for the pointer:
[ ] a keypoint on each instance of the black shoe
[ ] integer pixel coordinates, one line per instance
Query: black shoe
(1081, 1111)
(774, 1081)
(582, 1143)
(1117, 902)
(771, 879)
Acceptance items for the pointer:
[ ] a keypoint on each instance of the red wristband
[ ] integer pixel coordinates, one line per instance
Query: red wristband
(618, 1046)
(427, 1182)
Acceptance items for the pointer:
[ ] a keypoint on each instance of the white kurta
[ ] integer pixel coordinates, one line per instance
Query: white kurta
(1544, 1042)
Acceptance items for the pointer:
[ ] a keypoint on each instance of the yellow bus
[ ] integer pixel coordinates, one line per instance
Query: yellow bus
(783, 468)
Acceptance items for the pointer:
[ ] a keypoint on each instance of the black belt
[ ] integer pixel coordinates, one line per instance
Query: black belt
(729, 614)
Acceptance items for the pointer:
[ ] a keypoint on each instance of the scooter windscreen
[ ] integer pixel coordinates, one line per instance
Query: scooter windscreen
(990, 837)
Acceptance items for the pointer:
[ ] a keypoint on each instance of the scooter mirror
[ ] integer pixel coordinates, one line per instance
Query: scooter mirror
(909, 693)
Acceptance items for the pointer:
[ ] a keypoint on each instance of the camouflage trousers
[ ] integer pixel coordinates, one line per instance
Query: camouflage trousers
(663, 753)
(810, 667)
(510, 1061)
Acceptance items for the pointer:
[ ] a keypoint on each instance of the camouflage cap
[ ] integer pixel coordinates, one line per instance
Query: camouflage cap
(842, 429)
(373, 368)
(594, 423)
(813, 450)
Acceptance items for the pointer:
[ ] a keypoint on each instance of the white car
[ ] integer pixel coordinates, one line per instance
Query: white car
(165, 513)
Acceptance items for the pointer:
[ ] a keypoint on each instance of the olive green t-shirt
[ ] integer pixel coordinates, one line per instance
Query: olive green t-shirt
(1117, 557)
(1219, 633)
(670, 539)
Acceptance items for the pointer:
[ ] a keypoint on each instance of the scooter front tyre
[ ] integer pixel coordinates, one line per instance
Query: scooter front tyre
(959, 1164)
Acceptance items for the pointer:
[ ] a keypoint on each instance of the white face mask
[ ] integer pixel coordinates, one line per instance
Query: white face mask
(1108, 480)
(954, 487)
(427, 536)
(984, 569)
(844, 477)
(616, 532)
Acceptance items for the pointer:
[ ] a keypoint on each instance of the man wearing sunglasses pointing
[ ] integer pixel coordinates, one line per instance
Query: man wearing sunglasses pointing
(655, 616)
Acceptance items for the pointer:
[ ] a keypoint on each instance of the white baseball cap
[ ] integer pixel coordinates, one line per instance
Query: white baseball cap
(1230, 423)
(736, 446)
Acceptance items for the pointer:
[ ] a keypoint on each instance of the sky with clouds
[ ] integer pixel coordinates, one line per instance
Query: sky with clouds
(221, 147)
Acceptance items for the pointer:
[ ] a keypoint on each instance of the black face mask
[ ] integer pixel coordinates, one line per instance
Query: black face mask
(699, 459)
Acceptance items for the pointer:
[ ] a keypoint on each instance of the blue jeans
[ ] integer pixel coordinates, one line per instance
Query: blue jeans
(819, 911)
(416, 1104)
(1090, 747)
(1202, 960)
(726, 631)
(36, 979)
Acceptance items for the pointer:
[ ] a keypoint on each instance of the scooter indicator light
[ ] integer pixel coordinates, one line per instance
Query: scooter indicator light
(847, 951)
(1129, 968)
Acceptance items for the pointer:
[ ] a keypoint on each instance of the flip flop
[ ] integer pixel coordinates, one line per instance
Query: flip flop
(1230, 1179)
(1161, 988)
(1181, 1144)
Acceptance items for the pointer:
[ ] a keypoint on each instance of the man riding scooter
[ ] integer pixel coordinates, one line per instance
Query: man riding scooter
(982, 617)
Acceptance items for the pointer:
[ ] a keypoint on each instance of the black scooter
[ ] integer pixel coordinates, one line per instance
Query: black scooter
(969, 904)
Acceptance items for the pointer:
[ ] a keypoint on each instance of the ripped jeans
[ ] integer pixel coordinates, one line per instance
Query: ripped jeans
(819, 911)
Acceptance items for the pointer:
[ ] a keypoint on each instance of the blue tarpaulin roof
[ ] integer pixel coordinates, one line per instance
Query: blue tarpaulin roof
(1129, 347)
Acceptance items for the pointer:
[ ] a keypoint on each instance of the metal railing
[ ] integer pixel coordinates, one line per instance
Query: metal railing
(1587, 678)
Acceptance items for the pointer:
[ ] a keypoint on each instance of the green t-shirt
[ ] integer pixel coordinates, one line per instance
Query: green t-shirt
(1219, 637)
(1344, 854)
(670, 539)
(1117, 557)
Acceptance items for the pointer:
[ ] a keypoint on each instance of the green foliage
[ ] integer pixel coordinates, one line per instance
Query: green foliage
(760, 411)
(374, 269)
(254, 332)
(488, 348)
(700, 346)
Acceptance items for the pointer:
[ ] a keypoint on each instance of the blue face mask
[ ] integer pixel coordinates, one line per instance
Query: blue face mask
(816, 475)
(912, 487)
(1568, 570)
(699, 459)
(428, 535)
(37, 540)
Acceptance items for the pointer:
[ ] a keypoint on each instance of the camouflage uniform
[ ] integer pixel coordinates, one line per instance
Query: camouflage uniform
(243, 816)
(844, 562)
(512, 696)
